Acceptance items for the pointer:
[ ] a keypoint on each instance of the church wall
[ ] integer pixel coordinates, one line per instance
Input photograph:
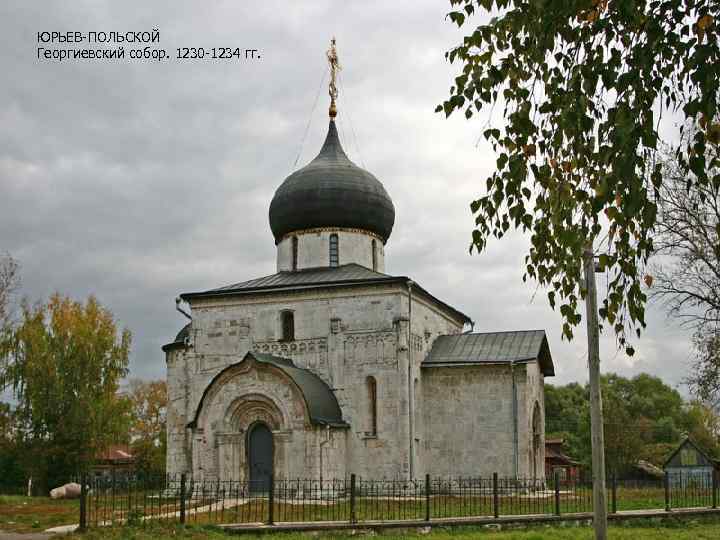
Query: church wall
(531, 392)
(344, 337)
(314, 249)
(427, 322)
(379, 454)
(469, 421)
(177, 413)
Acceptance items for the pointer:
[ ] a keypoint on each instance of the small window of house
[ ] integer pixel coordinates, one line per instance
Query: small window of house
(688, 457)
(334, 258)
(287, 319)
(374, 256)
(294, 252)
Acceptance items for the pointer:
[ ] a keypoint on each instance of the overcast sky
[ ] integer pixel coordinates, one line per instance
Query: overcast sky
(138, 180)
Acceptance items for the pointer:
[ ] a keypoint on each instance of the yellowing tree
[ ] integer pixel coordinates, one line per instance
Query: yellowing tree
(63, 361)
(147, 431)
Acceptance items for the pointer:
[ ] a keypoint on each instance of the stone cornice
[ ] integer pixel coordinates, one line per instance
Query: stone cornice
(330, 230)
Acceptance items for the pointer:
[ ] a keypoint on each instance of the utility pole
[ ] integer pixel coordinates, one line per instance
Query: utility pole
(596, 414)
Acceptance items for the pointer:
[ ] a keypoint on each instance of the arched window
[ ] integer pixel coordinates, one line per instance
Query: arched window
(374, 256)
(372, 405)
(294, 252)
(334, 245)
(536, 435)
(287, 320)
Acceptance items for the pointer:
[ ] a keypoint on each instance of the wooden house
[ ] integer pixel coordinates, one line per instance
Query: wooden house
(557, 461)
(690, 463)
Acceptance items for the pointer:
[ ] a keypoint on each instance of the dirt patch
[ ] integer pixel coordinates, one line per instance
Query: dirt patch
(35, 514)
(24, 536)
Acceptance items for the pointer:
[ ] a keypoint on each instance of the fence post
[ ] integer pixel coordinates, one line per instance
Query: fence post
(353, 517)
(556, 480)
(613, 493)
(427, 497)
(271, 500)
(666, 481)
(112, 514)
(714, 488)
(83, 503)
(496, 499)
(182, 498)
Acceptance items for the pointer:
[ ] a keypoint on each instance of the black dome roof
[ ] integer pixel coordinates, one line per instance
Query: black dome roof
(331, 191)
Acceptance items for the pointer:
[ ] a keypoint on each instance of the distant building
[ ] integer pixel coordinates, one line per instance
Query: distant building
(644, 471)
(557, 461)
(690, 462)
(115, 462)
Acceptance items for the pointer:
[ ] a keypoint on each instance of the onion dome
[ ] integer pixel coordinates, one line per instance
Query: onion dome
(331, 191)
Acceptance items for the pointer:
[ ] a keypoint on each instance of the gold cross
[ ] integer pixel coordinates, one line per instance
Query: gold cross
(334, 68)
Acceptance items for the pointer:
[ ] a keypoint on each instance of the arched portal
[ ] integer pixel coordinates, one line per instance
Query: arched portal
(536, 439)
(260, 457)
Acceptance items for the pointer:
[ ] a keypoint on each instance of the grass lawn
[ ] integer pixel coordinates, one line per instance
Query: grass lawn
(23, 514)
(226, 506)
(670, 529)
(33, 514)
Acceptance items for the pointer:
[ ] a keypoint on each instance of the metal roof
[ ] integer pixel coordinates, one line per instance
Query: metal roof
(331, 191)
(492, 348)
(321, 403)
(310, 276)
(345, 275)
(179, 341)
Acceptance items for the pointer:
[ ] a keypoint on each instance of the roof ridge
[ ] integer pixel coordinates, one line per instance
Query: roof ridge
(493, 332)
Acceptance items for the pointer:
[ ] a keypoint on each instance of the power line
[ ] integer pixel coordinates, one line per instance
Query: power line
(352, 127)
(312, 112)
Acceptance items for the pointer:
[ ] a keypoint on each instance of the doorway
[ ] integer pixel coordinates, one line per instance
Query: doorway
(260, 458)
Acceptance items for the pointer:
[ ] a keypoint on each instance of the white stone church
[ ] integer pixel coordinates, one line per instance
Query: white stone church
(330, 366)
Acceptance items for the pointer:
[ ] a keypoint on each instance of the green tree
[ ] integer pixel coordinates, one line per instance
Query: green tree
(703, 426)
(148, 434)
(566, 408)
(644, 419)
(627, 430)
(12, 476)
(581, 86)
(63, 362)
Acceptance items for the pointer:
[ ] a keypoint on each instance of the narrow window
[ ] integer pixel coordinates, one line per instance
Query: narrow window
(374, 256)
(294, 252)
(372, 405)
(287, 319)
(334, 259)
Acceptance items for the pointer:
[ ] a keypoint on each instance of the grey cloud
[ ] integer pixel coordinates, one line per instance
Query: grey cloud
(138, 181)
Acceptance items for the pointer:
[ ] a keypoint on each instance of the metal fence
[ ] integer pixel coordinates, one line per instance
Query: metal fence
(179, 498)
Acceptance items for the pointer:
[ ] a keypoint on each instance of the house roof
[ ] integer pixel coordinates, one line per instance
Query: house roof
(179, 340)
(554, 440)
(648, 468)
(690, 442)
(116, 453)
(347, 275)
(492, 348)
(321, 403)
(555, 454)
(553, 451)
